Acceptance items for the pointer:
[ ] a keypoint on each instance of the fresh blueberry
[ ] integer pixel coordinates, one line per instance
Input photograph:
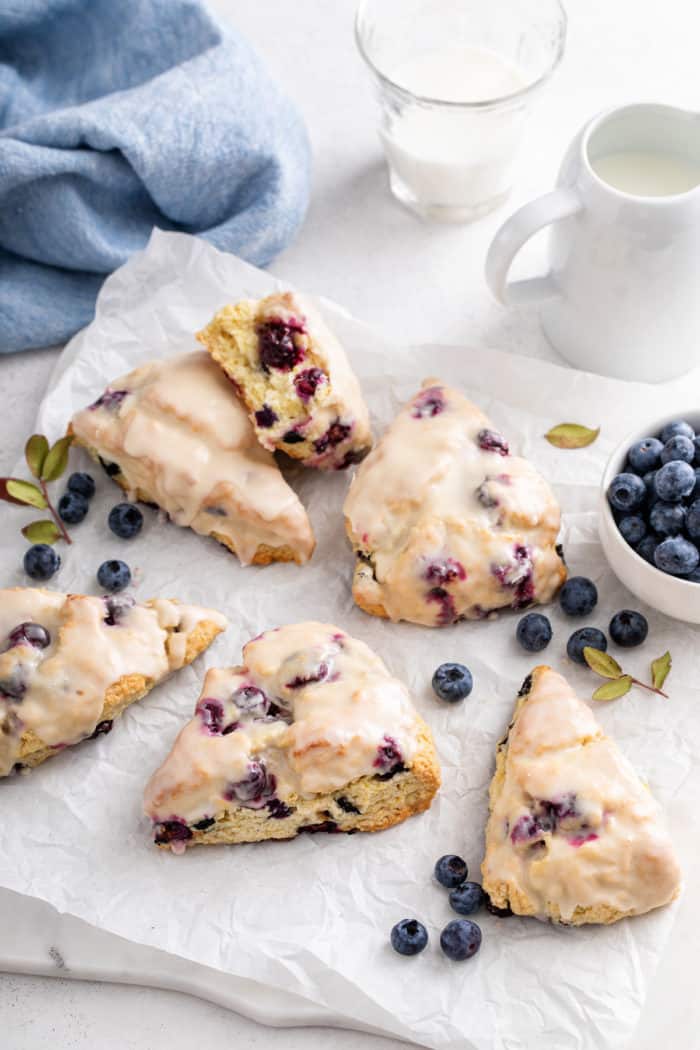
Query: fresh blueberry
(534, 632)
(409, 937)
(645, 455)
(678, 447)
(114, 575)
(29, 633)
(467, 898)
(460, 939)
(626, 492)
(628, 628)
(585, 637)
(72, 507)
(695, 494)
(677, 427)
(674, 481)
(677, 556)
(41, 562)
(451, 871)
(667, 519)
(648, 480)
(692, 521)
(696, 442)
(83, 484)
(125, 520)
(647, 547)
(578, 596)
(452, 682)
(633, 528)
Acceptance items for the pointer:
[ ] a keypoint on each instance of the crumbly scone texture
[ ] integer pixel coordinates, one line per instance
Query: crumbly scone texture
(594, 854)
(294, 377)
(446, 524)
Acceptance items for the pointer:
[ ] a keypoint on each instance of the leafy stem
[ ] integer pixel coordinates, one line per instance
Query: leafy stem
(618, 683)
(46, 463)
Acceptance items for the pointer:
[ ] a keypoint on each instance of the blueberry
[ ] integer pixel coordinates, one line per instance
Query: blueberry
(667, 519)
(647, 547)
(460, 939)
(451, 871)
(125, 520)
(633, 528)
(277, 346)
(585, 636)
(695, 494)
(644, 456)
(29, 633)
(679, 447)
(677, 556)
(114, 575)
(409, 937)
(534, 632)
(83, 484)
(578, 596)
(72, 507)
(692, 521)
(41, 562)
(452, 682)
(628, 628)
(648, 480)
(626, 492)
(694, 576)
(674, 481)
(677, 427)
(467, 898)
(696, 442)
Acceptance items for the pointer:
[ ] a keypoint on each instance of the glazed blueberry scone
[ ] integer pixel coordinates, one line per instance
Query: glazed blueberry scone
(294, 377)
(573, 835)
(71, 664)
(447, 525)
(174, 433)
(312, 733)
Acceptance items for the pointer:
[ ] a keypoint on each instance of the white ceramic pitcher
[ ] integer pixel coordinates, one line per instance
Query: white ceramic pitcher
(622, 297)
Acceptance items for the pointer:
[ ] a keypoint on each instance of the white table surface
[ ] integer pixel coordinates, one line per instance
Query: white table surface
(419, 282)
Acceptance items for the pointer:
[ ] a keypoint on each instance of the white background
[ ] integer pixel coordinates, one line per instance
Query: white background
(416, 282)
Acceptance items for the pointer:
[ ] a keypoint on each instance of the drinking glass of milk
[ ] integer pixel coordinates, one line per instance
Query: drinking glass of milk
(455, 81)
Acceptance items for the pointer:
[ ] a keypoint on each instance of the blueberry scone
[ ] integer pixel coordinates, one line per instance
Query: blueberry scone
(174, 433)
(70, 664)
(573, 835)
(294, 377)
(312, 733)
(447, 525)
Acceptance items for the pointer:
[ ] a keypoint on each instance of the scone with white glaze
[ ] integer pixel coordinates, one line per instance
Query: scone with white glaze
(573, 835)
(295, 379)
(174, 433)
(447, 525)
(311, 733)
(71, 663)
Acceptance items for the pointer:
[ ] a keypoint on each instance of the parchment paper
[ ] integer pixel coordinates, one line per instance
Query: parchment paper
(313, 915)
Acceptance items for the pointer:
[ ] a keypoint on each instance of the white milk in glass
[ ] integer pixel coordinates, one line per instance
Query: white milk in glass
(455, 157)
(647, 173)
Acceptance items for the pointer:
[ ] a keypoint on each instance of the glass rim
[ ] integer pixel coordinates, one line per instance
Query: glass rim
(490, 103)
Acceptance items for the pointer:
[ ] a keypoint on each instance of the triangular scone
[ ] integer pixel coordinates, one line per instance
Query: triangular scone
(573, 834)
(71, 663)
(174, 433)
(447, 525)
(312, 733)
(292, 373)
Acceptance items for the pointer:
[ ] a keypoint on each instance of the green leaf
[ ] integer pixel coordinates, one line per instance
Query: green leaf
(5, 495)
(615, 689)
(660, 669)
(45, 531)
(35, 452)
(57, 459)
(571, 435)
(602, 663)
(26, 492)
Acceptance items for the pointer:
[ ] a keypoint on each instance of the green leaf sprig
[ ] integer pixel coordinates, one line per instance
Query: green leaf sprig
(571, 435)
(46, 463)
(619, 683)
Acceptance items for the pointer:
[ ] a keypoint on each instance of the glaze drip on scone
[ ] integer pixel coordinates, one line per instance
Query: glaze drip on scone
(294, 377)
(573, 834)
(446, 523)
(182, 439)
(60, 654)
(311, 711)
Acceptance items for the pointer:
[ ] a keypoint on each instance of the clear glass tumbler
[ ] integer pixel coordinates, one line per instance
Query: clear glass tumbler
(455, 81)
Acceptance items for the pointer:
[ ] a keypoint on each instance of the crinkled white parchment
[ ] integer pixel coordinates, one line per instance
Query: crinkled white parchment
(313, 915)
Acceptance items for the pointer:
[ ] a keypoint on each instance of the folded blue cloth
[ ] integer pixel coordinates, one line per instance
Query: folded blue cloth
(120, 115)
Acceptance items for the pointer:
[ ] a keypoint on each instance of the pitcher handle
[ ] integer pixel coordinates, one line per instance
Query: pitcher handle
(513, 234)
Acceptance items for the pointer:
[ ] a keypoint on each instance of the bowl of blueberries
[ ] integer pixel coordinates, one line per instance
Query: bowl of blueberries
(650, 515)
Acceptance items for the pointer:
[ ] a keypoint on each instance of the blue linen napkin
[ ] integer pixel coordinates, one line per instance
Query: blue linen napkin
(120, 115)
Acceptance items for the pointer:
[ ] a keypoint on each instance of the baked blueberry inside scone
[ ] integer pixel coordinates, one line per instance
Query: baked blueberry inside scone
(573, 836)
(294, 377)
(311, 734)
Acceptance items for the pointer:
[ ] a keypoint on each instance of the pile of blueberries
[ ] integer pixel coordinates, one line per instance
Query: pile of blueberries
(656, 500)
(41, 561)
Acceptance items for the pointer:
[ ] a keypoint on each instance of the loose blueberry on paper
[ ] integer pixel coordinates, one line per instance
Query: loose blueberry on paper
(628, 628)
(585, 637)
(467, 898)
(460, 939)
(83, 484)
(409, 937)
(578, 596)
(534, 632)
(452, 682)
(125, 520)
(72, 507)
(41, 562)
(451, 870)
(114, 575)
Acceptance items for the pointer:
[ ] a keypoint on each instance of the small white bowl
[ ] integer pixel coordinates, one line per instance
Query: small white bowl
(671, 595)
